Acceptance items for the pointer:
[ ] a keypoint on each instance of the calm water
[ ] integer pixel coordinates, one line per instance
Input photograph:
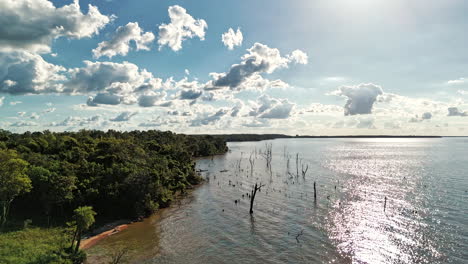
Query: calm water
(425, 220)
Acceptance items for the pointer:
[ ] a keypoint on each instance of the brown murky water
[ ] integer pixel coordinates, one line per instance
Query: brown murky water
(425, 182)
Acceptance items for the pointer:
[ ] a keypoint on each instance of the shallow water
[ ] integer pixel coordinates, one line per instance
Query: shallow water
(425, 218)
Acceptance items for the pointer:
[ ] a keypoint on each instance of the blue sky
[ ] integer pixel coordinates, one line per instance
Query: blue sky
(299, 67)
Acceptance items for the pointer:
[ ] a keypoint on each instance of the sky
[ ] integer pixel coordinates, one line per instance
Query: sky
(308, 67)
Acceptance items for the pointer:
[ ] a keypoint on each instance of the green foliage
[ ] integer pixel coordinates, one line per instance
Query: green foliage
(84, 217)
(13, 181)
(119, 174)
(35, 245)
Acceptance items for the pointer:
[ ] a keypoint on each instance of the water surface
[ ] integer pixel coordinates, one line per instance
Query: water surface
(425, 182)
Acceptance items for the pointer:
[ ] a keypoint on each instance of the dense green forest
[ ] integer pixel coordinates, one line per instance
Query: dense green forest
(45, 176)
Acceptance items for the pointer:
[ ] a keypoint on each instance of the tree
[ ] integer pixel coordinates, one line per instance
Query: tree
(51, 188)
(252, 195)
(13, 181)
(84, 218)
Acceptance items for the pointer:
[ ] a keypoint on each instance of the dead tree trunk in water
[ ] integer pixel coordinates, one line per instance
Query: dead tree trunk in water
(304, 171)
(252, 163)
(252, 196)
(297, 165)
(315, 193)
(385, 204)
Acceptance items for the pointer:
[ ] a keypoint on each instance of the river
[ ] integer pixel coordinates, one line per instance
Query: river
(393, 200)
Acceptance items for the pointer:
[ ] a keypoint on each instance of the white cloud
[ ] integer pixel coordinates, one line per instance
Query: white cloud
(458, 81)
(123, 117)
(32, 25)
(454, 111)
(232, 38)
(462, 92)
(23, 124)
(367, 123)
(360, 98)
(114, 83)
(34, 115)
(75, 121)
(181, 27)
(206, 118)
(190, 94)
(426, 116)
(119, 44)
(104, 98)
(272, 108)
(15, 102)
(26, 73)
(299, 57)
(1, 100)
(259, 59)
(151, 99)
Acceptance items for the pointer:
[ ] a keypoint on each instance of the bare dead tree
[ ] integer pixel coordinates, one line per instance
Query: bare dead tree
(297, 164)
(252, 162)
(119, 255)
(385, 204)
(267, 154)
(299, 234)
(252, 195)
(315, 193)
(304, 170)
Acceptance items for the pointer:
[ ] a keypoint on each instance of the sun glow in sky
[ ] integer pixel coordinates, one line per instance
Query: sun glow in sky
(297, 67)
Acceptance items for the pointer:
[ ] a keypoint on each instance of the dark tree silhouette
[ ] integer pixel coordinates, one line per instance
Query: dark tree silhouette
(252, 196)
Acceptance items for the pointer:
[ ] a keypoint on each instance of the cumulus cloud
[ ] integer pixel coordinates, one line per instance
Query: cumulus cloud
(458, 81)
(26, 73)
(123, 117)
(151, 99)
(206, 118)
(272, 108)
(1, 100)
(232, 38)
(32, 25)
(426, 116)
(454, 111)
(190, 94)
(257, 123)
(360, 98)
(182, 26)
(366, 123)
(299, 57)
(114, 83)
(119, 44)
(77, 121)
(392, 125)
(110, 76)
(259, 59)
(104, 98)
(23, 124)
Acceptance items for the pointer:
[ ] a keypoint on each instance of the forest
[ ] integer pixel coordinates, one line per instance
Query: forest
(50, 179)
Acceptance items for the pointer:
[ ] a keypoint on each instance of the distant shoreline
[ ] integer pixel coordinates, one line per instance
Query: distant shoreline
(259, 137)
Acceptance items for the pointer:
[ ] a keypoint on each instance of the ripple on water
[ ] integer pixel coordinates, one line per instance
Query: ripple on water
(424, 221)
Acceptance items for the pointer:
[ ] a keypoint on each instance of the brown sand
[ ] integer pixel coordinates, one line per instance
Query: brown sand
(89, 242)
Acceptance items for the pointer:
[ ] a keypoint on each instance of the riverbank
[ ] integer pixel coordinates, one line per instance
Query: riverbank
(92, 240)
(119, 236)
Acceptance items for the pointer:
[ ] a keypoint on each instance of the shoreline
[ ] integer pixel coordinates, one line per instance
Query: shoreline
(115, 227)
(91, 241)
